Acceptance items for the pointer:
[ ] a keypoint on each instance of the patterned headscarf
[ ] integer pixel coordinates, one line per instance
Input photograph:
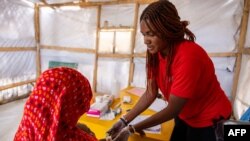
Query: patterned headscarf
(60, 97)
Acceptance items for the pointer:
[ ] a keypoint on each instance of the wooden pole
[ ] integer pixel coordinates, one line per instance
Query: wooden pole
(246, 51)
(11, 49)
(16, 84)
(240, 47)
(131, 67)
(87, 3)
(83, 50)
(97, 46)
(37, 37)
(108, 55)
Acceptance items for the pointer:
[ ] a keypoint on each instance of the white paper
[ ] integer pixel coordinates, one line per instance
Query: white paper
(154, 130)
(158, 105)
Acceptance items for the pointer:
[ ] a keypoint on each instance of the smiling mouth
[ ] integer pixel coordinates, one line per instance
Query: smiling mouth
(149, 47)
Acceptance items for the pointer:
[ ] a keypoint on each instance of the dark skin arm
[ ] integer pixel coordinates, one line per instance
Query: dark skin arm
(174, 107)
(144, 102)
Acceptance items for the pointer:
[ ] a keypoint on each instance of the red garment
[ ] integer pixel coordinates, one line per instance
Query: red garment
(60, 97)
(193, 77)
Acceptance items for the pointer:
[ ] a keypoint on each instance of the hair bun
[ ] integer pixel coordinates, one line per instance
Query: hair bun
(184, 23)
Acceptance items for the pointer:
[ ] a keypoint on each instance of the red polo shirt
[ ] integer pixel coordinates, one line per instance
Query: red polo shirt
(193, 78)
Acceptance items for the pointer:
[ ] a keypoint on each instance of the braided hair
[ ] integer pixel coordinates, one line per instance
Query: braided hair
(162, 18)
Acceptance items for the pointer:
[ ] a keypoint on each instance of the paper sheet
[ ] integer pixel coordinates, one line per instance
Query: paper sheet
(137, 91)
(158, 105)
(153, 130)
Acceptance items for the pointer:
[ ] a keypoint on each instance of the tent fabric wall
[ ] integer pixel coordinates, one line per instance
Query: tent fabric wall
(84, 61)
(242, 102)
(112, 74)
(68, 26)
(214, 33)
(215, 23)
(118, 18)
(17, 48)
(17, 24)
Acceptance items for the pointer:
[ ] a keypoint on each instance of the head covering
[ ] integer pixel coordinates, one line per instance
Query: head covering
(60, 97)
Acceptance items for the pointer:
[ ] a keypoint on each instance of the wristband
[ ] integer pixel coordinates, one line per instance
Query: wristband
(132, 128)
(124, 121)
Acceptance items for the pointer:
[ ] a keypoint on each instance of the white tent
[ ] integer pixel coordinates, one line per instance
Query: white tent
(101, 39)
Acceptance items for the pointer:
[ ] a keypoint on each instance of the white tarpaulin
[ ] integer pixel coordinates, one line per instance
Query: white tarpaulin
(216, 24)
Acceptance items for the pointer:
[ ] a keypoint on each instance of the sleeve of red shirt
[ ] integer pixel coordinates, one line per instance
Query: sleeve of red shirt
(185, 72)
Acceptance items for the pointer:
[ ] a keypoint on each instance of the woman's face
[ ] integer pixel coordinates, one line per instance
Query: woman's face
(153, 42)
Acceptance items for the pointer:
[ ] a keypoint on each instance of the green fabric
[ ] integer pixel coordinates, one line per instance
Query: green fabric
(53, 64)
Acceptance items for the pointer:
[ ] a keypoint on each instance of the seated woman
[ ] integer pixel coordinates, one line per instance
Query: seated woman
(60, 97)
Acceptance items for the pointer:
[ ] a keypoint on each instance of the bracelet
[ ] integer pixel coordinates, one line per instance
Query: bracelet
(132, 128)
(124, 121)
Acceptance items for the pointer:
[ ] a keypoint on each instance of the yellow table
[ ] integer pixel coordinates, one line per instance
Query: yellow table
(99, 127)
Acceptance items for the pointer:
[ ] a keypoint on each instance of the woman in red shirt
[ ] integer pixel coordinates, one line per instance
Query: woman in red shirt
(183, 72)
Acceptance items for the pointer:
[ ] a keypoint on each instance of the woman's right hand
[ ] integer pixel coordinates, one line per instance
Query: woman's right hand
(116, 128)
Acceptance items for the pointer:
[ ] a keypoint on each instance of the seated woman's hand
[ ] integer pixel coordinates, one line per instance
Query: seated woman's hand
(123, 135)
(85, 128)
(115, 129)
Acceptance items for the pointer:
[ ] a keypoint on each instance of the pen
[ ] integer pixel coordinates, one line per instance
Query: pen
(117, 105)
